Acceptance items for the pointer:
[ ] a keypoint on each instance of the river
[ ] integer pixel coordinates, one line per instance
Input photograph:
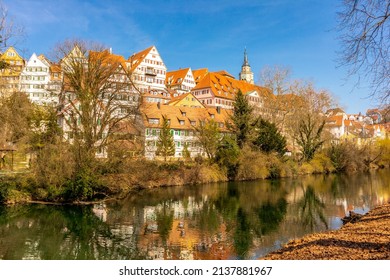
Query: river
(235, 220)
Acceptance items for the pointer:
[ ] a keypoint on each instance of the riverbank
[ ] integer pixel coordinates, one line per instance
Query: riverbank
(366, 239)
(134, 175)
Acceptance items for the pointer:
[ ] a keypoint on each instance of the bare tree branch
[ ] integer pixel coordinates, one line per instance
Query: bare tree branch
(10, 32)
(365, 36)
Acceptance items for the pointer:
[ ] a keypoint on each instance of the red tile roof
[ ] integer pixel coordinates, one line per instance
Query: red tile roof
(199, 74)
(176, 77)
(186, 114)
(226, 87)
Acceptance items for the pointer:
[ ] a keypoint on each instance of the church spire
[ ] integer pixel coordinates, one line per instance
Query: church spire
(246, 73)
(245, 58)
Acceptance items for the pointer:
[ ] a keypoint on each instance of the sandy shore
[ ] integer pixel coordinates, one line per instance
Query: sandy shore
(366, 239)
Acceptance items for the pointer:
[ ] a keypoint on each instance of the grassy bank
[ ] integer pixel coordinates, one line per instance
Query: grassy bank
(117, 179)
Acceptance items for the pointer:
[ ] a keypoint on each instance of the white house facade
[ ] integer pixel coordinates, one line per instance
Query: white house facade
(148, 70)
(35, 80)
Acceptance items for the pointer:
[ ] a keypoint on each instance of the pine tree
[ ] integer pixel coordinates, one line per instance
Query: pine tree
(165, 144)
(241, 119)
(267, 137)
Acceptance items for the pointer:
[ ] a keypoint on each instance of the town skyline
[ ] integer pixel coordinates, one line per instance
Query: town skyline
(200, 35)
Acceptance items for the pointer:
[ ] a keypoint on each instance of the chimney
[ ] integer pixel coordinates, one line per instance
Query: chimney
(158, 105)
(110, 50)
(218, 110)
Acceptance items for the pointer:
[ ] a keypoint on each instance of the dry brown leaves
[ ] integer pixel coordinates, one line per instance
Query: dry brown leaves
(367, 239)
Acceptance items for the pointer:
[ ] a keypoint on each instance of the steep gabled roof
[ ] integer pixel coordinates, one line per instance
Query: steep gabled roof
(137, 58)
(199, 74)
(225, 73)
(334, 121)
(335, 111)
(226, 87)
(107, 56)
(5, 56)
(44, 59)
(176, 77)
(187, 100)
(186, 114)
(75, 53)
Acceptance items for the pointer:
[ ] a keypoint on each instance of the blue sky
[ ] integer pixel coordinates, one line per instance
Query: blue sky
(299, 34)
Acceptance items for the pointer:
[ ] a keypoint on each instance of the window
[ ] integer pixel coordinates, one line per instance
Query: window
(151, 143)
(181, 122)
(154, 121)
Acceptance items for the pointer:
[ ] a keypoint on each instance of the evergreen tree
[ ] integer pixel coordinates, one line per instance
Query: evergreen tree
(165, 144)
(241, 119)
(267, 137)
(227, 155)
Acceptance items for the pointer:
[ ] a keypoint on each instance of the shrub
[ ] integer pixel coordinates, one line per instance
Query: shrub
(252, 165)
(84, 186)
(321, 163)
(13, 190)
(306, 168)
(347, 156)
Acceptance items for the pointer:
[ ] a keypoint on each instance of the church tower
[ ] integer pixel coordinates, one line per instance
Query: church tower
(246, 73)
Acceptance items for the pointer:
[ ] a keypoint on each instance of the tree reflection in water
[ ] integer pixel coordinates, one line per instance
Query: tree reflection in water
(242, 220)
(250, 216)
(54, 233)
(311, 209)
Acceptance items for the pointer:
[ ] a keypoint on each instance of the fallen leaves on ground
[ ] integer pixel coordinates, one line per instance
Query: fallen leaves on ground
(367, 239)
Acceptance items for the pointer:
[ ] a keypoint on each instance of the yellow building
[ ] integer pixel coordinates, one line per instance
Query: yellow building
(12, 65)
(183, 122)
(186, 100)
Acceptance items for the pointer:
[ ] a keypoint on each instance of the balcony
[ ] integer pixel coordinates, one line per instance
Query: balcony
(150, 71)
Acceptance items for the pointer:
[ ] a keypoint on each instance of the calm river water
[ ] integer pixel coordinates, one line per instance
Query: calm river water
(243, 220)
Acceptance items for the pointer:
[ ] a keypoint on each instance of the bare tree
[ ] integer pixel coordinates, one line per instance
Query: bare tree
(98, 95)
(365, 36)
(276, 78)
(10, 32)
(208, 136)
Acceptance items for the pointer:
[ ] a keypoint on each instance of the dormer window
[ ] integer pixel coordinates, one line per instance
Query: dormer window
(181, 122)
(154, 121)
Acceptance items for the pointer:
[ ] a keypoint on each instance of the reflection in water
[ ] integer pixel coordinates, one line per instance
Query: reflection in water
(311, 209)
(215, 221)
